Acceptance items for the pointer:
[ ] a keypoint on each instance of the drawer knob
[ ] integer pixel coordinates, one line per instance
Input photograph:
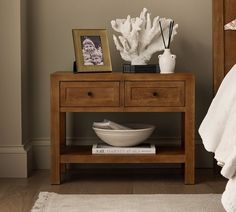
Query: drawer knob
(155, 94)
(90, 93)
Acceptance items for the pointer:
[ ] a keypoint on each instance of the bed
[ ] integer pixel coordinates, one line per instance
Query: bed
(218, 127)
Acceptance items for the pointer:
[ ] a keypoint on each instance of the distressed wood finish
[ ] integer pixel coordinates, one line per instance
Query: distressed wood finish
(113, 93)
(224, 42)
(155, 93)
(188, 132)
(230, 36)
(218, 43)
(57, 131)
(83, 154)
(94, 94)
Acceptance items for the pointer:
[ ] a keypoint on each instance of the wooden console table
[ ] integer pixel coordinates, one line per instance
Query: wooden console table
(118, 92)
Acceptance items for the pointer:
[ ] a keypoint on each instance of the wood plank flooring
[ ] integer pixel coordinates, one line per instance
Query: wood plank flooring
(18, 195)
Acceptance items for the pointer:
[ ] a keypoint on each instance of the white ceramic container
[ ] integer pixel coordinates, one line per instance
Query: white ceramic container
(131, 137)
(167, 62)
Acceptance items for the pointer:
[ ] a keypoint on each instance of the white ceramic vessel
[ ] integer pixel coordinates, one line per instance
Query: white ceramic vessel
(132, 137)
(167, 62)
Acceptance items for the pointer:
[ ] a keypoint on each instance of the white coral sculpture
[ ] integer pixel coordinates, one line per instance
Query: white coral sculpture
(141, 37)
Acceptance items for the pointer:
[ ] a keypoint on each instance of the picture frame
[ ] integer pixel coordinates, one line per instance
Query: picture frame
(92, 52)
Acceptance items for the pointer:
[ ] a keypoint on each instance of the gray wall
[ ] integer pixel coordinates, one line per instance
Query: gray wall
(10, 80)
(25, 101)
(14, 135)
(51, 49)
(36, 40)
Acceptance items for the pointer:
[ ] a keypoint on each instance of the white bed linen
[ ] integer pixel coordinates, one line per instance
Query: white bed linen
(229, 196)
(218, 129)
(218, 132)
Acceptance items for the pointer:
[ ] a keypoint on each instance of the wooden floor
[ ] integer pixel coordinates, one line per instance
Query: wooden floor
(20, 194)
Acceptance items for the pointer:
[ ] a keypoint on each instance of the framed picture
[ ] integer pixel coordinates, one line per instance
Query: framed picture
(91, 50)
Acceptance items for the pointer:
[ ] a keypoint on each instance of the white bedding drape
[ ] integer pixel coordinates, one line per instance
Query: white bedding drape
(218, 133)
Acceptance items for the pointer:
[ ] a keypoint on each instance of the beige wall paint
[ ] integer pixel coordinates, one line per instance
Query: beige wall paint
(10, 78)
(51, 49)
(15, 153)
(14, 73)
(46, 32)
(24, 71)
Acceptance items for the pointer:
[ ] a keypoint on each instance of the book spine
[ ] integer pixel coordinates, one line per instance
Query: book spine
(123, 151)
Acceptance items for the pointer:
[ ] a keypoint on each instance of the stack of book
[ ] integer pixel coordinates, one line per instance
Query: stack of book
(144, 148)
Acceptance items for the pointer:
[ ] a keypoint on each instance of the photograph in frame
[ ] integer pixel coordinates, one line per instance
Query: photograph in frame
(91, 50)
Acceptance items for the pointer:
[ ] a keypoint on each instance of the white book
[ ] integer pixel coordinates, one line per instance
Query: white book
(107, 149)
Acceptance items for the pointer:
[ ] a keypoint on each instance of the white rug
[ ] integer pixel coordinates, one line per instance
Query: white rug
(128, 203)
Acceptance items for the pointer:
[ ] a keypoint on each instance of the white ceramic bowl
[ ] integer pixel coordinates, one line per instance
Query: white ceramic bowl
(132, 137)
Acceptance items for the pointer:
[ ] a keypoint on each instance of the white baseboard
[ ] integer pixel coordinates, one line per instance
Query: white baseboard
(41, 151)
(15, 161)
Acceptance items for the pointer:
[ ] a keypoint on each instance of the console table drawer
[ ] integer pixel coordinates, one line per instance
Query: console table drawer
(90, 94)
(155, 93)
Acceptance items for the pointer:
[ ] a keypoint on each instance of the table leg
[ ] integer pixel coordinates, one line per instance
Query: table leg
(58, 132)
(63, 138)
(189, 145)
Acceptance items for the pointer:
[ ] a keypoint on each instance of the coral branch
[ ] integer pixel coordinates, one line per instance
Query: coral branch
(140, 37)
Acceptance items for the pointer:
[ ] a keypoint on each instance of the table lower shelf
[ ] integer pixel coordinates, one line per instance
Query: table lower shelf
(83, 154)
